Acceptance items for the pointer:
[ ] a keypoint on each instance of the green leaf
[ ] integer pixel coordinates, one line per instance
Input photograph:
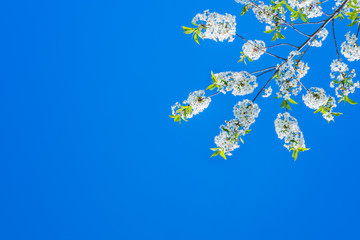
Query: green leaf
(347, 99)
(318, 110)
(242, 58)
(269, 31)
(303, 17)
(211, 87)
(213, 77)
(215, 154)
(278, 5)
(287, 105)
(222, 154)
(193, 23)
(196, 38)
(275, 36)
(340, 16)
(284, 104)
(292, 101)
(172, 116)
(281, 36)
(187, 28)
(247, 131)
(295, 154)
(189, 31)
(242, 140)
(295, 15)
(226, 130)
(336, 114)
(290, 8)
(244, 10)
(177, 118)
(352, 24)
(303, 149)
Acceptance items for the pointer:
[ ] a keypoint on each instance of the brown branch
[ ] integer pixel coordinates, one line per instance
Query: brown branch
(336, 47)
(305, 43)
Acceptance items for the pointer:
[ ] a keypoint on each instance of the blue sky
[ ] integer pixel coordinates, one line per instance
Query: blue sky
(88, 151)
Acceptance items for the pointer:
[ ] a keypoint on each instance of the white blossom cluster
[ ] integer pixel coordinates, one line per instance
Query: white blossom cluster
(289, 76)
(263, 12)
(267, 92)
(197, 103)
(217, 26)
(287, 128)
(342, 78)
(320, 37)
(245, 113)
(350, 49)
(315, 98)
(327, 110)
(254, 49)
(310, 8)
(240, 83)
(228, 138)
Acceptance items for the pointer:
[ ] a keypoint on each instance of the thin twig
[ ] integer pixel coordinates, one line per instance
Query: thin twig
(262, 70)
(303, 23)
(264, 86)
(328, 15)
(303, 85)
(265, 72)
(213, 94)
(282, 44)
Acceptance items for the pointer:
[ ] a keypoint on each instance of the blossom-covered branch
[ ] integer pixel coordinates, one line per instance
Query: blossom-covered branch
(288, 74)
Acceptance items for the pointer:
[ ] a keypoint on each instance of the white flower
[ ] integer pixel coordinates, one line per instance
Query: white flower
(315, 98)
(254, 49)
(350, 49)
(240, 83)
(287, 128)
(217, 26)
(319, 38)
(267, 92)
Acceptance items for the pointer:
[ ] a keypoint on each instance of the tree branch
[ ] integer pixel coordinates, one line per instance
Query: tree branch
(304, 44)
(336, 47)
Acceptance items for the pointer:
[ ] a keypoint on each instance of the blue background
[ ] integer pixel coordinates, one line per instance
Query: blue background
(87, 150)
